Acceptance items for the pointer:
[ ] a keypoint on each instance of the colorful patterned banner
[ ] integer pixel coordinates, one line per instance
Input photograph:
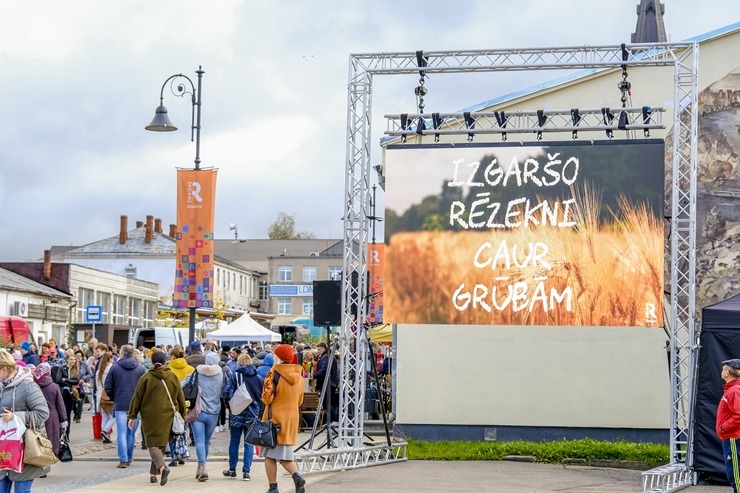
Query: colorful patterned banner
(196, 194)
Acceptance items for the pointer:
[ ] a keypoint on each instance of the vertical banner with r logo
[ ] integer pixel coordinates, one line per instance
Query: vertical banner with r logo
(375, 289)
(196, 194)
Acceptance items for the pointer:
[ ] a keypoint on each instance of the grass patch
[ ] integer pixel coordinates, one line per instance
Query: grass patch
(551, 452)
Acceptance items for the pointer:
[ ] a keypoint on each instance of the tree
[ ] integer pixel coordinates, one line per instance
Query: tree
(283, 228)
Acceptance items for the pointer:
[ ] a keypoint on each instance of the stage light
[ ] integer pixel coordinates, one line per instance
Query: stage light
(608, 119)
(575, 115)
(436, 123)
(469, 124)
(541, 120)
(647, 112)
(501, 120)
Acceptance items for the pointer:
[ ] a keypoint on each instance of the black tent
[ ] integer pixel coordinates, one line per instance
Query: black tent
(720, 340)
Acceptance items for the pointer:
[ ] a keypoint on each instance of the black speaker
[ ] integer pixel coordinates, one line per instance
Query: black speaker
(327, 303)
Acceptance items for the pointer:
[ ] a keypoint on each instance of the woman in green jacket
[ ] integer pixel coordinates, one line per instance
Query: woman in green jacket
(152, 401)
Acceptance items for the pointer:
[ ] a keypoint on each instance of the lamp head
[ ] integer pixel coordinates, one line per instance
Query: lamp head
(161, 122)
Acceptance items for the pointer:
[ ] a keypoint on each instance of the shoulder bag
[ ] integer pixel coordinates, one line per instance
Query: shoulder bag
(178, 423)
(264, 433)
(190, 389)
(38, 450)
(241, 398)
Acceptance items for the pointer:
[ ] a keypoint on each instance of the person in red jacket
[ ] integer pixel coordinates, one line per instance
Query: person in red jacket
(728, 419)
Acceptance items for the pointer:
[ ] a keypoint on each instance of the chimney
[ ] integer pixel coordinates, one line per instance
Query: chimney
(122, 236)
(149, 227)
(158, 225)
(173, 230)
(139, 224)
(47, 265)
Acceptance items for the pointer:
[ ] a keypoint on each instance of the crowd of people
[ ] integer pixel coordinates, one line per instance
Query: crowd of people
(129, 388)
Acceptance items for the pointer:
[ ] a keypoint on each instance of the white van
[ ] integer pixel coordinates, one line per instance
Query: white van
(154, 336)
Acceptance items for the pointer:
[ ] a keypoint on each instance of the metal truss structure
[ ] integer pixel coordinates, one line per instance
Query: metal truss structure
(351, 450)
(518, 122)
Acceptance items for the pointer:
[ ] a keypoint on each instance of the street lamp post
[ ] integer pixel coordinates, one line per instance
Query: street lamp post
(162, 123)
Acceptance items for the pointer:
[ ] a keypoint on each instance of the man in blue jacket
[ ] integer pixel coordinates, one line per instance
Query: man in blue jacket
(120, 384)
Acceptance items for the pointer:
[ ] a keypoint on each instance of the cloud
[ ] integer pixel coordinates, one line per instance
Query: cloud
(81, 79)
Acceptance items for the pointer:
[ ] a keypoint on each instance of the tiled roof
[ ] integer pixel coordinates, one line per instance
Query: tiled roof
(161, 245)
(14, 282)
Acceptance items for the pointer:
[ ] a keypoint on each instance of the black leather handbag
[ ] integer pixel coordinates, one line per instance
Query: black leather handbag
(264, 433)
(65, 453)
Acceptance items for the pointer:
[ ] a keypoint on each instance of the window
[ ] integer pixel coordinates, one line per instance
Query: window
(307, 306)
(119, 309)
(285, 273)
(86, 297)
(335, 273)
(150, 313)
(218, 276)
(284, 306)
(263, 290)
(134, 314)
(104, 302)
(309, 273)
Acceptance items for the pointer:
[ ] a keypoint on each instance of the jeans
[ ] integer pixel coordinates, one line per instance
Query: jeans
(20, 486)
(236, 436)
(203, 427)
(729, 450)
(126, 438)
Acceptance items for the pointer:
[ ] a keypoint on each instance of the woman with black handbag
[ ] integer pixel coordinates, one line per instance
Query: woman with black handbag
(282, 402)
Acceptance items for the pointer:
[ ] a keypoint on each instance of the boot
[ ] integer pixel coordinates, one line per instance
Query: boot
(273, 488)
(300, 483)
(203, 474)
(198, 471)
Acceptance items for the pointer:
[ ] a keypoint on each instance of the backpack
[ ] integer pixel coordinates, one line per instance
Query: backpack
(241, 398)
(190, 389)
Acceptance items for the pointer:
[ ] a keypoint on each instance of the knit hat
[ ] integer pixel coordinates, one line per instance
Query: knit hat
(212, 358)
(41, 370)
(25, 346)
(17, 356)
(285, 353)
(195, 346)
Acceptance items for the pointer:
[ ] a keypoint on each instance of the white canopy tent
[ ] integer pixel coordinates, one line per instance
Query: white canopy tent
(244, 329)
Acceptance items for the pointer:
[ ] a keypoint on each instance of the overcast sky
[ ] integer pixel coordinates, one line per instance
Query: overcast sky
(81, 79)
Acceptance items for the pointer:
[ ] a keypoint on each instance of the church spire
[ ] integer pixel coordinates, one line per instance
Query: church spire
(650, 27)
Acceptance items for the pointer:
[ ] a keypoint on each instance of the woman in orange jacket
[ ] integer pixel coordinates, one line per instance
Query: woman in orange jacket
(283, 392)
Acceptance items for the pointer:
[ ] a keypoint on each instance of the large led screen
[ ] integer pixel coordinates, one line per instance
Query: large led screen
(562, 233)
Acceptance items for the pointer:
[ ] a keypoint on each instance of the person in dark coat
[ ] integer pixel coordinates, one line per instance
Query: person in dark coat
(57, 422)
(154, 401)
(29, 357)
(330, 397)
(196, 357)
(120, 385)
(239, 423)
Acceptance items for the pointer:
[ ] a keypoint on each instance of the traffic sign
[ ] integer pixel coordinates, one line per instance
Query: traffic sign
(94, 313)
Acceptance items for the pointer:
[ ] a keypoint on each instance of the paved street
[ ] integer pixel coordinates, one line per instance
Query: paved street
(94, 469)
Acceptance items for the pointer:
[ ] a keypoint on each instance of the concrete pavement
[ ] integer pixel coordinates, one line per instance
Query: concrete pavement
(94, 469)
